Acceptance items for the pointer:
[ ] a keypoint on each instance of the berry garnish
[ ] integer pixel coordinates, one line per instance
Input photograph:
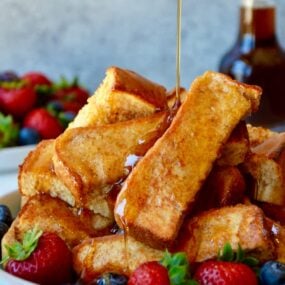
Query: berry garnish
(54, 107)
(17, 99)
(150, 273)
(71, 94)
(28, 136)
(41, 120)
(224, 272)
(8, 76)
(40, 258)
(111, 279)
(5, 215)
(9, 131)
(3, 229)
(230, 268)
(272, 273)
(35, 79)
(172, 269)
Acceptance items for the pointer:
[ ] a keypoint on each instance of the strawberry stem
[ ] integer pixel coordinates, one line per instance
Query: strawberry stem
(227, 254)
(9, 131)
(21, 251)
(178, 268)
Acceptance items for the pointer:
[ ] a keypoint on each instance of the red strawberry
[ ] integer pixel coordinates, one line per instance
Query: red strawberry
(72, 94)
(150, 273)
(17, 100)
(224, 272)
(43, 259)
(72, 106)
(36, 78)
(41, 120)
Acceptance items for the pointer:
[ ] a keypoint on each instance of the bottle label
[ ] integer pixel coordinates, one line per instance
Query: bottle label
(257, 3)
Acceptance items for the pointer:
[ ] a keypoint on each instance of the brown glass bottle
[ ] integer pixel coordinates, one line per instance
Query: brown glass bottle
(257, 58)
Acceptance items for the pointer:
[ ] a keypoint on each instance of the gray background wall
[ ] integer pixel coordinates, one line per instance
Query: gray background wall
(84, 37)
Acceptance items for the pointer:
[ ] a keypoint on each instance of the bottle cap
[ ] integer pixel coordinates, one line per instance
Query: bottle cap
(257, 3)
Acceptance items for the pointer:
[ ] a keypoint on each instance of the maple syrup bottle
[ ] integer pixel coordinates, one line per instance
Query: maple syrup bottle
(257, 58)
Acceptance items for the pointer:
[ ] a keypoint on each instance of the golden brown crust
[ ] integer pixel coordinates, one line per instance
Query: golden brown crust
(169, 176)
(113, 253)
(51, 215)
(131, 82)
(123, 95)
(268, 179)
(204, 235)
(89, 160)
(236, 147)
(258, 134)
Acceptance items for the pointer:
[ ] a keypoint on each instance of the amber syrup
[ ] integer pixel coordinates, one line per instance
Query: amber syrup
(132, 159)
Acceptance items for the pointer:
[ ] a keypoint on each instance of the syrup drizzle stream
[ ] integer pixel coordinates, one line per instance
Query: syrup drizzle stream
(172, 112)
(177, 102)
(178, 51)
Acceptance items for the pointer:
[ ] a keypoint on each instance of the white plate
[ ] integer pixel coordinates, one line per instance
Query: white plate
(12, 200)
(10, 159)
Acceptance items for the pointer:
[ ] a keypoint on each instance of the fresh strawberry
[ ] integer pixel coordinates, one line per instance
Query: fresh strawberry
(41, 120)
(34, 79)
(71, 94)
(16, 99)
(225, 272)
(172, 269)
(150, 273)
(41, 258)
(72, 106)
(229, 268)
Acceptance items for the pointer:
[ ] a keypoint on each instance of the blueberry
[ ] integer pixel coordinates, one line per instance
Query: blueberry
(8, 76)
(112, 279)
(54, 107)
(28, 136)
(3, 229)
(272, 273)
(5, 215)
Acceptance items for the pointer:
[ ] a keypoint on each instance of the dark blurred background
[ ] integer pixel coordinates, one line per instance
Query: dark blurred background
(60, 37)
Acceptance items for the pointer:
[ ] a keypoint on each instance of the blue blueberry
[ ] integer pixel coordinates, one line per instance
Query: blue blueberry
(112, 279)
(272, 273)
(28, 136)
(55, 107)
(5, 215)
(3, 229)
(8, 76)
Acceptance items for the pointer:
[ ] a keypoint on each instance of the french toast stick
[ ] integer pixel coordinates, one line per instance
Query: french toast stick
(162, 187)
(204, 235)
(37, 176)
(51, 215)
(123, 95)
(257, 135)
(224, 186)
(236, 148)
(266, 167)
(267, 177)
(91, 160)
(96, 256)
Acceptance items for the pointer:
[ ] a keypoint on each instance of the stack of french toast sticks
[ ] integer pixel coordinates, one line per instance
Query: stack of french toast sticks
(185, 179)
